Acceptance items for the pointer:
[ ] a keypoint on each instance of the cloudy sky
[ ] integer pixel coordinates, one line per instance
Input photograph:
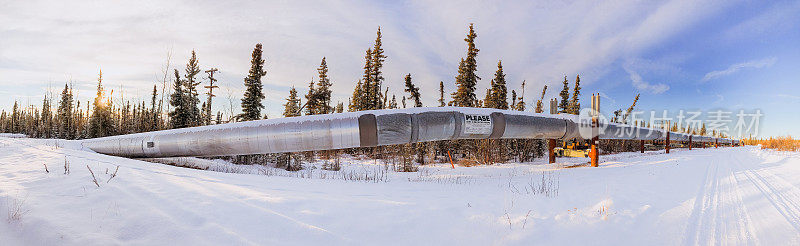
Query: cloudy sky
(680, 55)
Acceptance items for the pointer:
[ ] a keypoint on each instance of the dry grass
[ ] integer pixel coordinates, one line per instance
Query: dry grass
(786, 143)
(16, 209)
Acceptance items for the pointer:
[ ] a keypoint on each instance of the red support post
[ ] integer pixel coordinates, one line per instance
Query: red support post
(716, 143)
(551, 150)
(666, 146)
(594, 155)
(641, 146)
(690, 142)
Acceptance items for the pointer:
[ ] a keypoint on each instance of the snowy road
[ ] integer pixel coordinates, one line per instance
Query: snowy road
(701, 197)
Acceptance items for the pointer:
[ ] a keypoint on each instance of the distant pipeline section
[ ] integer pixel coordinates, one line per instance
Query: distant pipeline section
(367, 129)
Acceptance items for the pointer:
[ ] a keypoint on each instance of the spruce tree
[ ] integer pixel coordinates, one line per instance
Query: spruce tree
(152, 123)
(498, 92)
(467, 78)
(66, 129)
(179, 116)
(323, 92)
(441, 94)
(292, 106)
(393, 103)
(357, 101)
(312, 102)
(101, 124)
(46, 119)
(15, 118)
(514, 99)
(376, 75)
(192, 96)
(575, 104)
(368, 96)
(251, 103)
(413, 90)
(563, 105)
(339, 107)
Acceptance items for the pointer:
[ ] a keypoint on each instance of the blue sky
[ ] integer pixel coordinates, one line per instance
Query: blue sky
(680, 55)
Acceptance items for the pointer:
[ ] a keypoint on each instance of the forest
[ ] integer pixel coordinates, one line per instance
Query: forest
(188, 103)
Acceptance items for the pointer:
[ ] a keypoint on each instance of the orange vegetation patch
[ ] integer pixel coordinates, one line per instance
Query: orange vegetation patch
(786, 143)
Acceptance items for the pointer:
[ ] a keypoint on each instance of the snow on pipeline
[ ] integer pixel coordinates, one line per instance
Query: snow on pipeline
(54, 193)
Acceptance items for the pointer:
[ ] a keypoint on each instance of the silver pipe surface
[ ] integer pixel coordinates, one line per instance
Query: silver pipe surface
(363, 129)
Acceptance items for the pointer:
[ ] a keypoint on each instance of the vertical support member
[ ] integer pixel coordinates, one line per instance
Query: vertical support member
(595, 154)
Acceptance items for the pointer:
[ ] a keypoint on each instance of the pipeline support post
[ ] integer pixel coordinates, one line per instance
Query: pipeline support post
(594, 153)
(716, 143)
(666, 145)
(641, 146)
(551, 150)
(690, 142)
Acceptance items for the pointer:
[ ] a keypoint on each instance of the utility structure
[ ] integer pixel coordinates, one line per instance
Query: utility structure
(366, 129)
(551, 143)
(210, 93)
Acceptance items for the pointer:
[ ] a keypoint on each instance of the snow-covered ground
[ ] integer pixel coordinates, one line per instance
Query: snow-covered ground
(705, 196)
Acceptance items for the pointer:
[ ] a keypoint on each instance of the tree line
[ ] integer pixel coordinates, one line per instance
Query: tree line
(185, 107)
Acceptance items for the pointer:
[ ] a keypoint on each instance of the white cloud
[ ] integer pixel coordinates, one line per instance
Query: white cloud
(49, 41)
(739, 66)
(640, 84)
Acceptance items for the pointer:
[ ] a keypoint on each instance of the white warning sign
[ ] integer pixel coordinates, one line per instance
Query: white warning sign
(477, 124)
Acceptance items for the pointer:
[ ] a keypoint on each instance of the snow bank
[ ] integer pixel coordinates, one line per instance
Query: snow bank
(704, 196)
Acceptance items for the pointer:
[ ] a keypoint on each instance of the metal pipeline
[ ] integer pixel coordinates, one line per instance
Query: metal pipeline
(361, 129)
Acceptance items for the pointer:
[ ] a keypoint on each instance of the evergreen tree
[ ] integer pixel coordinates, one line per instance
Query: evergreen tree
(498, 97)
(46, 119)
(467, 78)
(514, 99)
(66, 129)
(251, 103)
(323, 92)
(703, 129)
(368, 96)
(563, 105)
(441, 94)
(413, 90)
(393, 103)
(292, 106)
(101, 123)
(357, 102)
(154, 115)
(339, 107)
(574, 104)
(312, 103)
(15, 119)
(179, 116)
(191, 95)
(376, 75)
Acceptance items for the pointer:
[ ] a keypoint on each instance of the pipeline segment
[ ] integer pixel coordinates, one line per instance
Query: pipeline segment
(363, 129)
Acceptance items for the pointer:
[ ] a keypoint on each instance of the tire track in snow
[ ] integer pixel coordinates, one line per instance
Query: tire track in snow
(717, 204)
(780, 197)
(746, 230)
(701, 203)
